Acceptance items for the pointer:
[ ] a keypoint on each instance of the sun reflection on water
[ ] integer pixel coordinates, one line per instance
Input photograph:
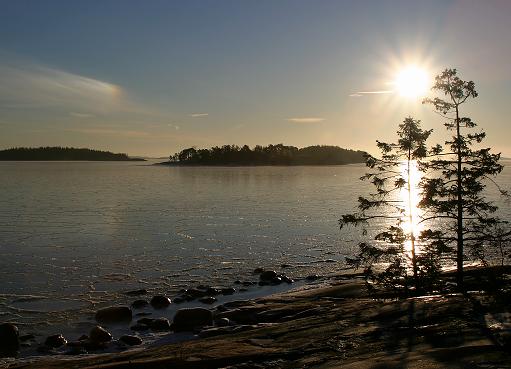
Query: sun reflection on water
(409, 195)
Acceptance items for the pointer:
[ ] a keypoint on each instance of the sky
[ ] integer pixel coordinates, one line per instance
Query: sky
(151, 78)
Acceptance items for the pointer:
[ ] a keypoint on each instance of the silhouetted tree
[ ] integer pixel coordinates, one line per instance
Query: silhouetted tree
(390, 174)
(454, 191)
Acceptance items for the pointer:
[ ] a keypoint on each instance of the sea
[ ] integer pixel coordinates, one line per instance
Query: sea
(76, 236)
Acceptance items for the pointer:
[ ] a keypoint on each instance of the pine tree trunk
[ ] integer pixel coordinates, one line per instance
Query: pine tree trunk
(459, 255)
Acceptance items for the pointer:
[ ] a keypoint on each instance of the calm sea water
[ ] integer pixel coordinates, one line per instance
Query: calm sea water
(75, 235)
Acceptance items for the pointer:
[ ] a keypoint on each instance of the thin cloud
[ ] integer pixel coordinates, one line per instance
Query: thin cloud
(198, 115)
(108, 131)
(82, 115)
(306, 120)
(26, 86)
(377, 92)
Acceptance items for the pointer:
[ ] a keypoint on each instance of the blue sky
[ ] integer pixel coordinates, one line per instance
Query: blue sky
(154, 77)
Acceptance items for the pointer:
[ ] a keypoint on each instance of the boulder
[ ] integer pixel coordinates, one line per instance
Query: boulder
(228, 291)
(99, 335)
(160, 302)
(55, 341)
(189, 319)
(208, 300)
(131, 340)
(139, 304)
(9, 342)
(160, 325)
(268, 276)
(114, 314)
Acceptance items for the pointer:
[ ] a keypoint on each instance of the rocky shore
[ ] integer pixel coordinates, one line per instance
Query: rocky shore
(332, 323)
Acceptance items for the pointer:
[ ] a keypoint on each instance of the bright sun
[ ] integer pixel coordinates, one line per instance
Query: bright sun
(412, 82)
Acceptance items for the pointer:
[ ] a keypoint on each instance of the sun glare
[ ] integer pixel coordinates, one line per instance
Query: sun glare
(412, 82)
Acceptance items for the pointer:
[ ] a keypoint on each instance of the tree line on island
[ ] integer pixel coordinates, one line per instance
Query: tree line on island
(61, 153)
(268, 155)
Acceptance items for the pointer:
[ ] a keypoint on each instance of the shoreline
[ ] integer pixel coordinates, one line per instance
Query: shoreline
(331, 323)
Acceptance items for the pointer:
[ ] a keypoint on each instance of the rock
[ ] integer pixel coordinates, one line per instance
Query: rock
(286, 279)
(76, 350)
(216, 331)
(131, 340)
(258, 270)
(284, 266)
(26, 337)
(208, 300)
(146, 321)
(237, 281)
(160, 302)
(55, 341)
(9, 342)
(276, 280)
(99, 335)
(248, 283)
(222, 322)
(139, 304)
(136, 292)
(312, 277)
(143, 313)
(213, 291)
(139, 327)
(268, 275)
(189, 319)
(178, 300)
(195, 293)
(160, 325)
(114, 314)
(228, 291)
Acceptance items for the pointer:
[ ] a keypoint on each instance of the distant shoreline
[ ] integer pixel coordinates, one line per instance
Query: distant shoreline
(61, 154)
(174, 164)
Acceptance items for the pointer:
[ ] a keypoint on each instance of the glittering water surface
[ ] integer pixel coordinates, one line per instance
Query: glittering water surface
(75, 235)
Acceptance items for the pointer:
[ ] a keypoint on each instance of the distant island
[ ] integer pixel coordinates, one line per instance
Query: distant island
(266, 155)
(61, 153)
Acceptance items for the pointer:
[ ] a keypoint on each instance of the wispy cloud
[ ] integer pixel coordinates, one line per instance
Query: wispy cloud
(306, 120)
(173, 126)
(26, 85)
(81, 115)
(377, 92)
(109, 131)
(198, 115)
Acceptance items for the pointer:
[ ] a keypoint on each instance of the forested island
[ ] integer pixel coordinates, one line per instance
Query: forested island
(62, 153)
(267, 155)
